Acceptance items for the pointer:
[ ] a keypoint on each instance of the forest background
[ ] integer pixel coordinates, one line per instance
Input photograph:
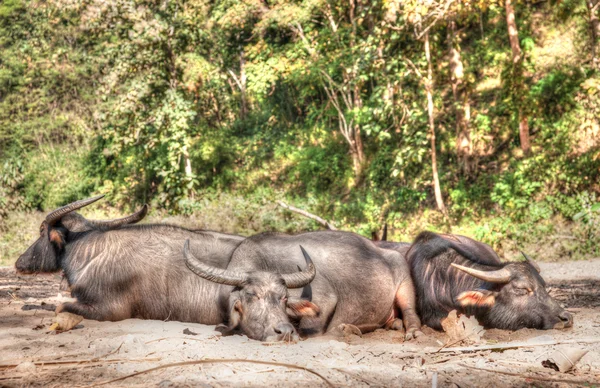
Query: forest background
(473, 117)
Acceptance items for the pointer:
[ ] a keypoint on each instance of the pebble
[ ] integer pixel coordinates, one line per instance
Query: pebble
(26, 367)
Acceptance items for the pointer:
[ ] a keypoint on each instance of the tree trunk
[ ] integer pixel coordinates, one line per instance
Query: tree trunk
(461, 102)
(592, 7)
(429, 91)
(244, 103)
(358, 155)
(517, 59)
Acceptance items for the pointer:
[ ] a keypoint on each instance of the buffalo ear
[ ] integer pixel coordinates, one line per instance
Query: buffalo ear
(235, 314)
(57, 237)
(477, 298)
(298, 308)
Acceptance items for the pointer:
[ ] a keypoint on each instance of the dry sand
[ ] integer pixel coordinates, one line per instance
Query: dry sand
(101, 351)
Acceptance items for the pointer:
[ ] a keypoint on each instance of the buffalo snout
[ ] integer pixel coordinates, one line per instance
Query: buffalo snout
(283, 331)
(566, 320)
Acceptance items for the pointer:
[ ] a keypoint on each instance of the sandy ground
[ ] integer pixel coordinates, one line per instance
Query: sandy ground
(98, 352)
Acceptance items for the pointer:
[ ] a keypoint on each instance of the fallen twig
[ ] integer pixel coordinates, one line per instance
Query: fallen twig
(320, 220)
(216, 361)
(456, 342)
(519, 345)
(359, 377)
(170, 338)
(531, 377)
(94, 361)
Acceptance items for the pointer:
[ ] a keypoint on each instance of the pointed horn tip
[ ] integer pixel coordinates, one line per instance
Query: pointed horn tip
(307, 258)
(55, 215)
(144, 210)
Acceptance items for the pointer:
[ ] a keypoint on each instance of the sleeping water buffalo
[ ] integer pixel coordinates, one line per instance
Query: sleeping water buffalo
(117, 270)
(455, 272)
(356, 284)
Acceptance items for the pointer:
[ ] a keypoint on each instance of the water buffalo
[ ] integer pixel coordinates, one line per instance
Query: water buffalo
(356, 283)
(455, 272)
(117, 270)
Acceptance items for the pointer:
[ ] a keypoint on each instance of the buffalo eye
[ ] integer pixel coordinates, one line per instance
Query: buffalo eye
(250, 294)
(522, 291)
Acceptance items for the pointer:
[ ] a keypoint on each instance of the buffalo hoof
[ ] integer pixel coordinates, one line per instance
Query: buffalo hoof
(349, 329)
(396, 324)
(412, 333)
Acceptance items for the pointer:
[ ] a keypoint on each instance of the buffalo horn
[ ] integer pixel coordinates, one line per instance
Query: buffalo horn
(301, 279)
(113, 224)
(531, 262)
(384, 235)
(496, 276)
(59, 213)
(217, 275)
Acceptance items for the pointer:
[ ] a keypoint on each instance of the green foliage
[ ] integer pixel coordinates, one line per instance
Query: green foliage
(225, 107)
(589, 217)
(513, 191)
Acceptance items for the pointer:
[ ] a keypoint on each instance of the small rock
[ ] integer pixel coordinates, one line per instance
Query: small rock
(66, 321)
(26, 367)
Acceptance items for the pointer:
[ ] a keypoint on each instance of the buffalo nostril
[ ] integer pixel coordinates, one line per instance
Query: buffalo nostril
(284, 329)
(566, 317)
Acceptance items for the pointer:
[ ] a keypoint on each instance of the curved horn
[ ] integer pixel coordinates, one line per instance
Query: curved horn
(59, 213)
(217, 275)
(114, 224)
(531, 262)
(301, 279)
(497, 276)
(384, 235)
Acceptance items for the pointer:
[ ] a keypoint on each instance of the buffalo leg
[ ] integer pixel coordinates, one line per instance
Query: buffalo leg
(406, 302)
(87, 311)
(395, 324)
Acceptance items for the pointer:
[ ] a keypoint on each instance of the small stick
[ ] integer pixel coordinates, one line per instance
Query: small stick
(519, 345)
(359, 378)
(77, 362)
(320, 220)
(539, 378)
(183, 338)
(216, 361)
(460, 340)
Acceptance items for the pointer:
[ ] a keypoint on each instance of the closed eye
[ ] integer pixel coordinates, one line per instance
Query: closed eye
(522, 291)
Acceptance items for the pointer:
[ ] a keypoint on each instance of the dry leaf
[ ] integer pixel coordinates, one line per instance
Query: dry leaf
(462, 328)
(564, 359)
(65, 321)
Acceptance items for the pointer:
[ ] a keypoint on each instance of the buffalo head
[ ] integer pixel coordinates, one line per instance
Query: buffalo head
(43, 255)
(517, 298)
(259, 305)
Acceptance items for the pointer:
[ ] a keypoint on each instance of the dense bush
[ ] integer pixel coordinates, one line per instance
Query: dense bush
(226, 107)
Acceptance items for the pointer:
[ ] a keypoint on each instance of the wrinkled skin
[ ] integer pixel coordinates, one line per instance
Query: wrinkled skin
(43, 255)
(356, 284)
(262, 309)
(520, 301)
(256, 303)
(131, 271)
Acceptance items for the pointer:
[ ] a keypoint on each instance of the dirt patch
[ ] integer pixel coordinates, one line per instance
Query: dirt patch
(97, 352)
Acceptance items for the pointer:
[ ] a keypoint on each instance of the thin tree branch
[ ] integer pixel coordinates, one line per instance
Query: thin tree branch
(224, 361)
(533, 377)
(320, 220)
(519, 345)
